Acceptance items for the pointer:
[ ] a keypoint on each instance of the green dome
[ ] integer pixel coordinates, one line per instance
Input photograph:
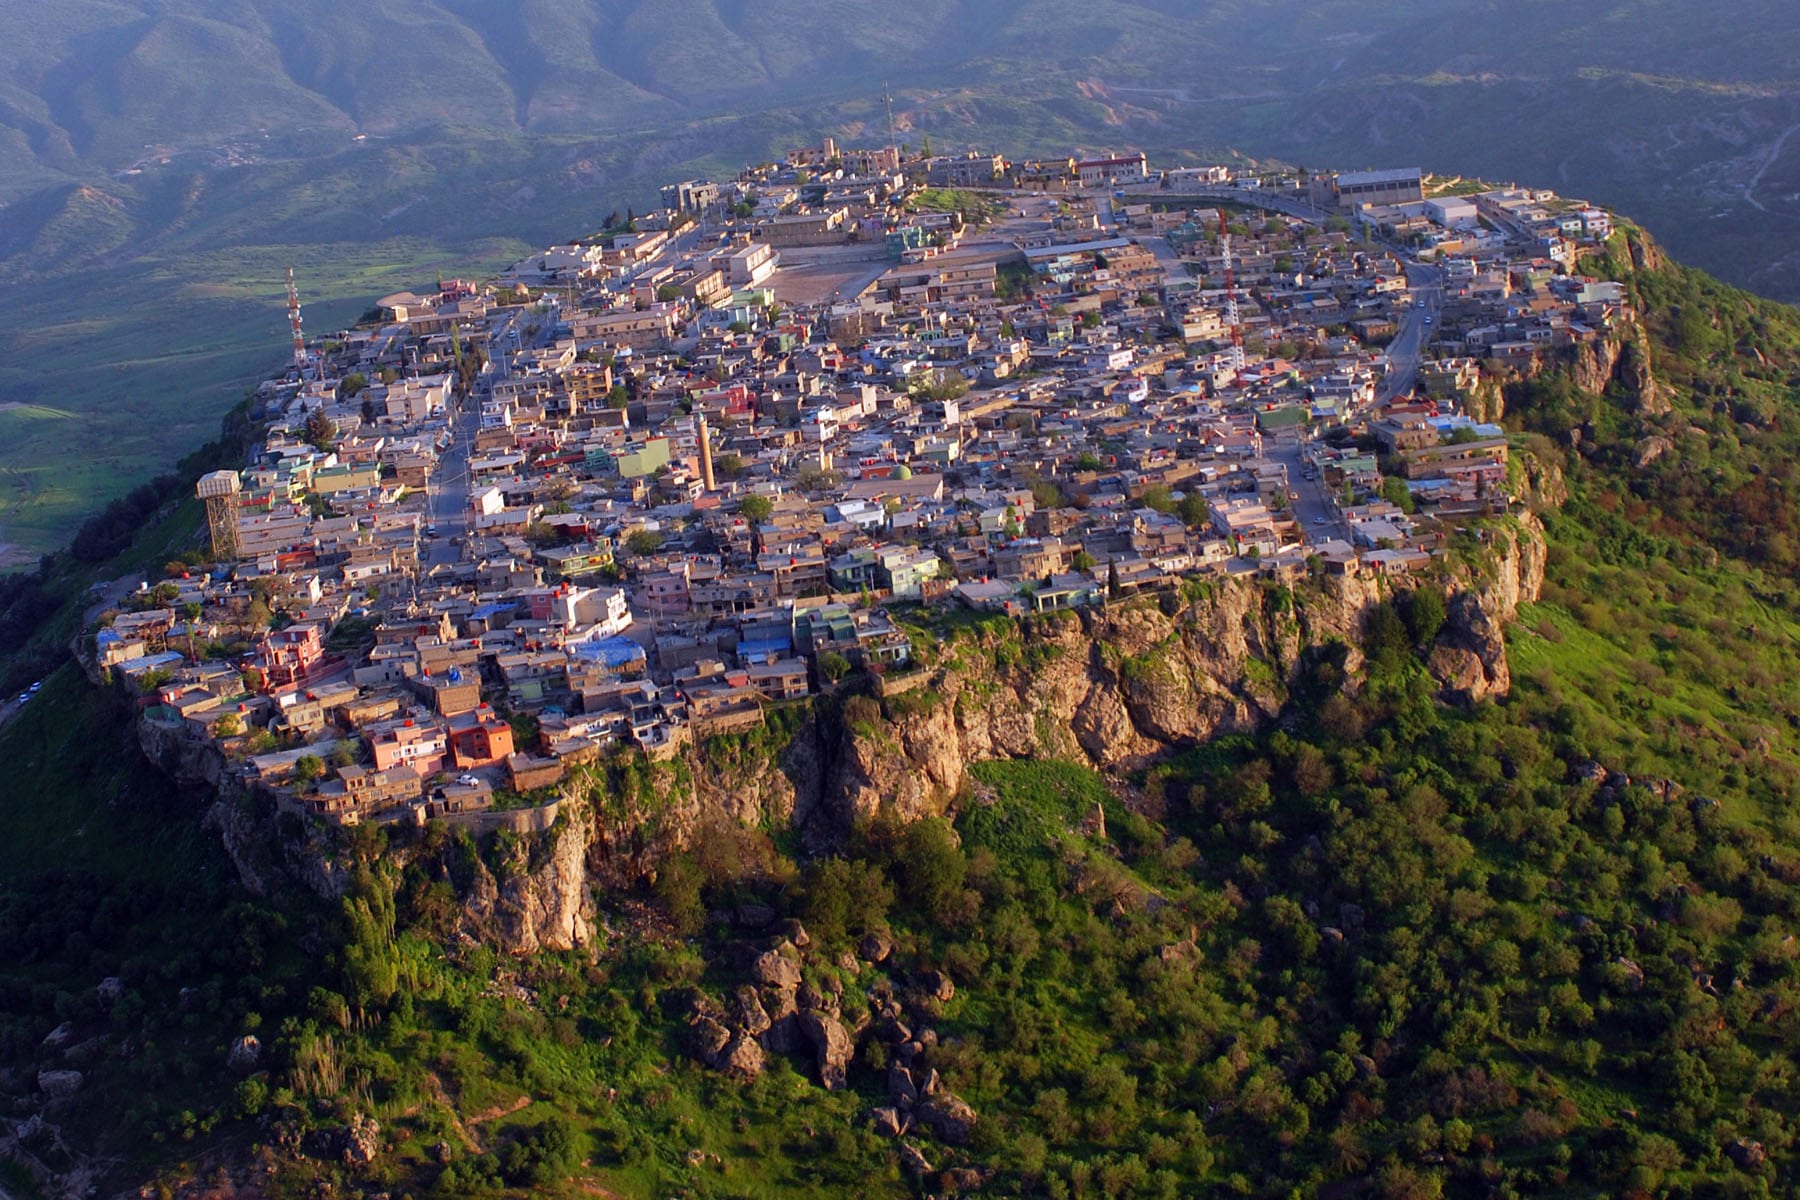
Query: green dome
(903, 472)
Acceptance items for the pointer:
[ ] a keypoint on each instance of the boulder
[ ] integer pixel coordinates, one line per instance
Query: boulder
(752, 1017)
(901, 1089)
(245, 1054)
(59, 1037)
(59, 1085)
(1747, 1154)
(708, 1039)
(109, 991)
(929, 1083)
(915, 1162)
(831, 1045)
(775, 969)
(889, 1121)
(961, 1179)
(795, 932)
(948, 1116)
(937, 986)
(875, 947)
(743, 1058)
(755, 916)
(362, 1139)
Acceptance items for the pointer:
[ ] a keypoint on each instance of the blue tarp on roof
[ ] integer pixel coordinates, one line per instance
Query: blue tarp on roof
(763, 649)
(612, 651)
(488, 612)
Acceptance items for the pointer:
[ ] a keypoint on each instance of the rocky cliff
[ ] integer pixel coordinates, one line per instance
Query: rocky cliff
(1120, 686)
(1115, 687)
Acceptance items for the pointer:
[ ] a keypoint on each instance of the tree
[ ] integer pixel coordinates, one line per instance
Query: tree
(1425, 615)
(1083, 562)
(350, 385)
(644, 542)
(833, 666)
(1112, 580)
(308, 768)
(1395, 492)
(755, 509)
(1193, 510)
(1158, 497)
(934, 868)
(618, 396)
(321, 430)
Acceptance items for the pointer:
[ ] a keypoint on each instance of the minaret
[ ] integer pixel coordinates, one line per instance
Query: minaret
(706, 463)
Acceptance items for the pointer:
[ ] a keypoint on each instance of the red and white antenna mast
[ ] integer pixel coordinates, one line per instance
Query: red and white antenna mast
(293, 298)
(1235, 356)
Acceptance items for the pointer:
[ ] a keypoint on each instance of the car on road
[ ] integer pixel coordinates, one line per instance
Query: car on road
(1428, 320)
(431, 531)
(1321, 520)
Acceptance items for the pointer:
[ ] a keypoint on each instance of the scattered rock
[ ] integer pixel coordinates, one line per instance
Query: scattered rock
(1649, 450)
(927, 1038)
(913, 1161)
(796, 933)
(110, 991)
(890, 1122)
(708, 1039)
(961, 1179)
(245, 1054)
(832, 1047)
(900, 1086)
(1747, 1154)
(1634, 974)
(59, 1085)
(362, 1139)
(775, 969)
(753, 1018)
(755, 916)
(743, 1059)
(929, 1083)
(875, 947)
(59, 1037)
(949, 1117)
(938, 986)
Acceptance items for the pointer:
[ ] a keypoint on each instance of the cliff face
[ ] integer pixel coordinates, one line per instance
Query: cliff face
(1122, 686)
(536, 896)
(1115, 687)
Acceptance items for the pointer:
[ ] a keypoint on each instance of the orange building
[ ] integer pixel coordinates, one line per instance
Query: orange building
(479, 739)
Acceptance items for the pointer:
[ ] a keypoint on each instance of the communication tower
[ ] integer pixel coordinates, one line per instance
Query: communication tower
(220, 491)
(293, 299)
(1235, 356)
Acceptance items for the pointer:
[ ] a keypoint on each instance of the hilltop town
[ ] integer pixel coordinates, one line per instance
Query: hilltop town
(651, 485)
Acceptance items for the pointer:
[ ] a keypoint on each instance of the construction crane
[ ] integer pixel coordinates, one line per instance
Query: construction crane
(1233, 322)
